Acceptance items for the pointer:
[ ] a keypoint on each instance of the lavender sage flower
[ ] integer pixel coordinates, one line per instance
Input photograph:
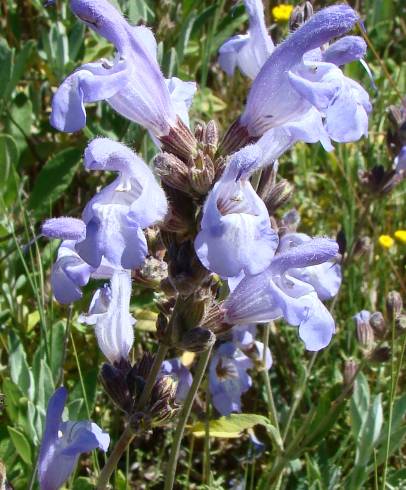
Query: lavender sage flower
(288, 84)
(63, 442)
(274, 293)
(325, 278)
(116, 216)
(236, 233)
(248, 51)
(228, 378)
(132, 83)
(109, 313)
(70, 272)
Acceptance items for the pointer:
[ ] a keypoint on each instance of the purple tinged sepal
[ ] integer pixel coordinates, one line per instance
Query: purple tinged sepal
(110, 315)
(116, 216)
(236, 233)
(63, 442)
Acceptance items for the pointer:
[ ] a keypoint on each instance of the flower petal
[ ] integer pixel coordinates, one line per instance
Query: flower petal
(345, 50)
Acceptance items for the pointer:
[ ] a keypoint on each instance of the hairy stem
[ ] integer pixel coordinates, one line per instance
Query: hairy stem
(183, 417)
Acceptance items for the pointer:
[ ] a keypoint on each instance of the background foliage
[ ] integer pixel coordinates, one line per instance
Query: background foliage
(343, 444)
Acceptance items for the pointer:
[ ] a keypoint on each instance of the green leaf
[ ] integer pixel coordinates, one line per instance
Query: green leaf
(371, 428)
(6, 65)
(205, 102)
(82, 483)
(57, 347)
(21, 444)
(45, 385)
(19, 370)
(53, 179)
(19, 122)
(20, 66)
(359, 404)
(8, 165)
(230, 426)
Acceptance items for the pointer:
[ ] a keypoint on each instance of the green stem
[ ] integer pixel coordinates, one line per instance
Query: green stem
(129, 433)
(298, 395)
(273, 414)
(183, 417)
(394, 382)
(125, 439)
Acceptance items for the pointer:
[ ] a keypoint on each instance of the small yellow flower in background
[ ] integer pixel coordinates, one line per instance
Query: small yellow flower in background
(386, 241)
(281, 13)
(401, 235)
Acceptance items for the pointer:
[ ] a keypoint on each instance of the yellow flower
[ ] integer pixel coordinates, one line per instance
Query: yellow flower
(281, 13)
(401, 235)
(386, 241)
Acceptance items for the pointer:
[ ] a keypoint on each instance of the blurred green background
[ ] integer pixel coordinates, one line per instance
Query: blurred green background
(42, 176)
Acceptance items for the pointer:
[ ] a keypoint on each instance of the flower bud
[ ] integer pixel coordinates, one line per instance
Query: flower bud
(279, 195)
(197, 340)
(350, 371)
(364, 332)
(394, 304)
(201, 176)
(380, 354)
(172, 171)
(378, 324)
(211, 137)
(115, 384)
(300, 14)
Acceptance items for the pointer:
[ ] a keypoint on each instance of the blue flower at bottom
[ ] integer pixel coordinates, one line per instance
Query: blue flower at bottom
(63, 442)
(228, 378)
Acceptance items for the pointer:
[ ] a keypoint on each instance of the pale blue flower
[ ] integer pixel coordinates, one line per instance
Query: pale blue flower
(325, 278)
(63, 442)
(291, 83)
(228, 378)
(248, 51)
(132, 83)
(110, 315)
(70, 272)
(236, 233)
(116, 216)
(274, 293)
